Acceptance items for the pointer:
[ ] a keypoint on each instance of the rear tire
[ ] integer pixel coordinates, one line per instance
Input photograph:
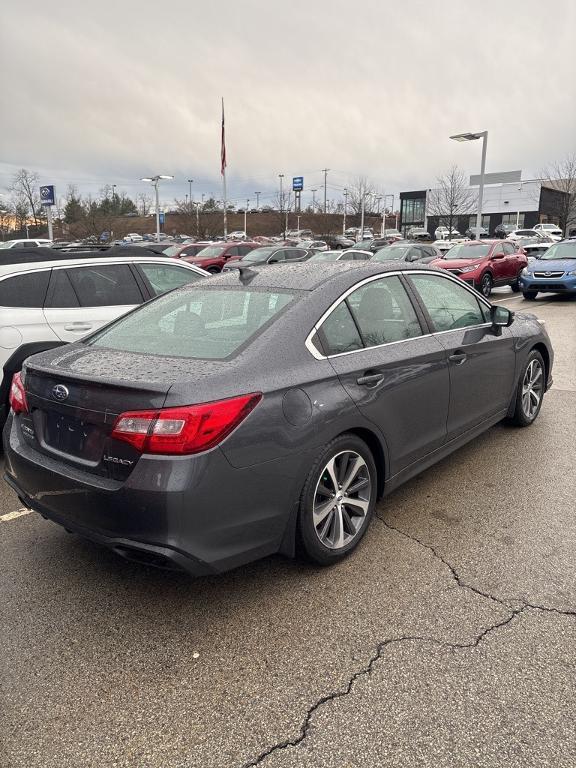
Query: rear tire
(213, 270)
(530, 391)
(337, 501)
(530, 295)
(516, 284)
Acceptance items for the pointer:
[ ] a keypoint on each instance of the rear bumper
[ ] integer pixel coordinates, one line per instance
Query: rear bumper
(196, 513)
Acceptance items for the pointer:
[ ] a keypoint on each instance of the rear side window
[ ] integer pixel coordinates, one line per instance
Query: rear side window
(197, 324)
(61, 294)
(384, 312)
(24, 290)
(166, 277)
(107, 285)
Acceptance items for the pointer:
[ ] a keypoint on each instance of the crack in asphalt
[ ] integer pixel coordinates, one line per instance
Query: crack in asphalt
(385, 644)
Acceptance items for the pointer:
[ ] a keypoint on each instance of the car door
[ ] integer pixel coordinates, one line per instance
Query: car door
(397, 376)
(481, 361)
(498, 263)
(81, 299)
(511, 261)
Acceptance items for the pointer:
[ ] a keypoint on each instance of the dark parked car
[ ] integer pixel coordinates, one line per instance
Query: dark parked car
(408, 252)
(228, 420)
(271, 254)
(485, 264)
(503, 230)
(419, 233)
(337, 242)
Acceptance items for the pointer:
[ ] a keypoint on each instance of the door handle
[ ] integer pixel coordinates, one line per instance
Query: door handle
(370, 380)
(458, 357)
(78, 327)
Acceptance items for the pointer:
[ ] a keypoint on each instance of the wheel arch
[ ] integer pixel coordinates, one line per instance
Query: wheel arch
(540, 347)
(377, 450)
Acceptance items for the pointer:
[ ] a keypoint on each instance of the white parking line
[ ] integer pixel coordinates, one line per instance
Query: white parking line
(13, 515)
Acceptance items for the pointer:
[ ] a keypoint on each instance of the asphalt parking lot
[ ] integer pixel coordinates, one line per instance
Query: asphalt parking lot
(448, 639)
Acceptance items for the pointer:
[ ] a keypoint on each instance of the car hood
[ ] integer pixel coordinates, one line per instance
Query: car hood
(455, 263)
(553, 265)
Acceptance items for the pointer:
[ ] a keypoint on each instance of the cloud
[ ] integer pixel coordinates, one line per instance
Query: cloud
(125, 89)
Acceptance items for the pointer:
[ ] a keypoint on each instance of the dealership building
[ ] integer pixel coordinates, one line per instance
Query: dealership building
(506, 200)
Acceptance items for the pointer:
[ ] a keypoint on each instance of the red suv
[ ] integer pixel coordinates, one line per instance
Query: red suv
(485, 264)
(213, 257)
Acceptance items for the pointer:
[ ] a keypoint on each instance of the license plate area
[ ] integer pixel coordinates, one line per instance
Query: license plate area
(72, 436)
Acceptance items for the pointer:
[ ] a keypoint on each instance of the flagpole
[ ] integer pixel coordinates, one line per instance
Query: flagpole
(223, 171)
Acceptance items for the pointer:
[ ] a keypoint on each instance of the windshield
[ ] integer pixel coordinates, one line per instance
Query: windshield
(173, 250)
(325, 256)
(259, 254)
(8, 244)
(391, 252)
(211, 251)
(194, 324)
(474, 251)
(560, 251)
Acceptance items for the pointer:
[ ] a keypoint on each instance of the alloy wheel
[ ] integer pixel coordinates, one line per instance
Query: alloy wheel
(486, 285)
(532, 388)
(341, 499)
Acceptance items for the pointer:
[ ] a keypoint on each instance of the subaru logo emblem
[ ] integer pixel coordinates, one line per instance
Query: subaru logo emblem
(60, 392)
(547, 274)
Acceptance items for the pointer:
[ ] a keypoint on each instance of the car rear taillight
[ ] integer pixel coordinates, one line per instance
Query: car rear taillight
(17, 396)
(186, 429)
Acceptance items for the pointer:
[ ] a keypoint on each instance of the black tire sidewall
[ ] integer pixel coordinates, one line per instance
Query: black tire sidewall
(308, 542)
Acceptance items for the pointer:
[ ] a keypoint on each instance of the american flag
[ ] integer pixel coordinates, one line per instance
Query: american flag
(223, 148)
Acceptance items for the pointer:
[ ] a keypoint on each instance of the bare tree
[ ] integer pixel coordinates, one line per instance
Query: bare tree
(26, 191)
(283, 205)
(452, 198)
(144, 203)
(360, 189)
(560, 176)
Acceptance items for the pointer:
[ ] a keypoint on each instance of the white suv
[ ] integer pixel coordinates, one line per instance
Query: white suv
(52, 300)
(552, 230)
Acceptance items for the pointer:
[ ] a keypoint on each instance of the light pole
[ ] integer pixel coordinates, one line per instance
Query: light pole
(113, 193)
(257, 200)
(474, 137)
(154, 181)
(345, 210)
(197, 206)
(281, 177)
(313, 200)
(246, 214)
(325, 172)
(190, 191)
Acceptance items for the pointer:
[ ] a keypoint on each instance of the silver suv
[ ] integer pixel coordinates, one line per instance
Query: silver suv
(48, 299)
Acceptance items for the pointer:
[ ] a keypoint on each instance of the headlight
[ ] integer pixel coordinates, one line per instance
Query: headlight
(471, 268)
(573, 273)
(525, 272)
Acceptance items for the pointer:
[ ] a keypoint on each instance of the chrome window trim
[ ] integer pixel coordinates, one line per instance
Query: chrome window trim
(318, 356)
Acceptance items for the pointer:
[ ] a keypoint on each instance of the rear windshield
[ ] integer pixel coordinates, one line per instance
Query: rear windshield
(206, 324)
(474, 251)
(260, 254)
(325, 256)
(391, 252)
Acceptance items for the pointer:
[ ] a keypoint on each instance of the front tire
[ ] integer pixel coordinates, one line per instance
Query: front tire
(485, 284)
(337, 501)
(530, 390)
(530, 295)
(213, 270)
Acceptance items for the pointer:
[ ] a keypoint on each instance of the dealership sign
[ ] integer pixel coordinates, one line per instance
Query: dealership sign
(297, 183)
(47, 195)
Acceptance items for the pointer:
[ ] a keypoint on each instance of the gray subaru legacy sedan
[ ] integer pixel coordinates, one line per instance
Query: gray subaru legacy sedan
(265, 410)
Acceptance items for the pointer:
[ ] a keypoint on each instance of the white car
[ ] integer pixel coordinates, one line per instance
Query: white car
(61, 298)
(552, 230)
(133, 237)
(443, 245)
(36, 242)
(443, 233)
(520, 234)
(313, 245)
(238, 235)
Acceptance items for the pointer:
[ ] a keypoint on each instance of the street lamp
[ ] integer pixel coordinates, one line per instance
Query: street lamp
(154, 181)
(474, 137)
(257, 200)
(246, 214)
(345, 209)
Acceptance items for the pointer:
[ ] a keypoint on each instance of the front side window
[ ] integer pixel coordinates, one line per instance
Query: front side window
(196, 324)
(24, 290)
(105, 285)
(384, 312)
(509, 248)
(450, 305)
(166, 277)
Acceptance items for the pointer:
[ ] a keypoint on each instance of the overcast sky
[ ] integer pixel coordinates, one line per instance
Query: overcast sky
(127, 89)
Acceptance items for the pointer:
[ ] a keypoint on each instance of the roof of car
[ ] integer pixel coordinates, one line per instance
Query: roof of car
(306, 275)
(74, 260)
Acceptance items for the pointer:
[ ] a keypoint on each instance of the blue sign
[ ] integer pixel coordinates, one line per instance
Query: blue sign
(297, 183)
(47, 195)
(161, 218)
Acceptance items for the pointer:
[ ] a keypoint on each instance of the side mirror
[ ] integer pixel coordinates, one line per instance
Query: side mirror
(501, 317)
(497, 255)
